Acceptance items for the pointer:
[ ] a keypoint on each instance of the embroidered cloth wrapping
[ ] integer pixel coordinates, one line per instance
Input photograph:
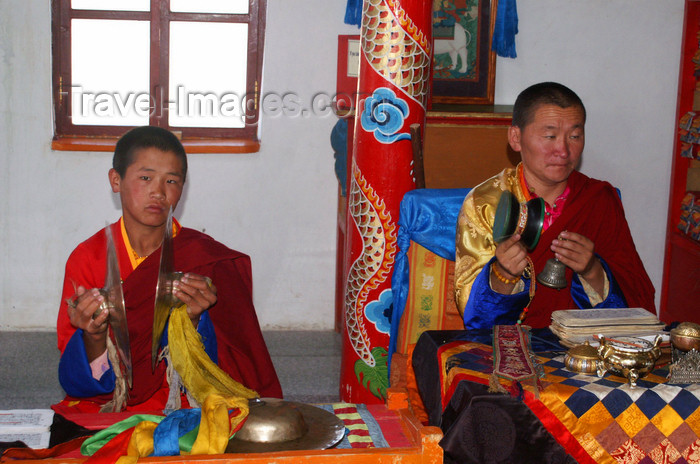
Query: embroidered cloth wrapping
(513, 360)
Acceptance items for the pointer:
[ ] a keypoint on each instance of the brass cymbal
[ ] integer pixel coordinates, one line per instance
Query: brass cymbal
(114, 303)
(278, 425)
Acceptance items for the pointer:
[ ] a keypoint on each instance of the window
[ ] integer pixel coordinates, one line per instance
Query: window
(191, 66)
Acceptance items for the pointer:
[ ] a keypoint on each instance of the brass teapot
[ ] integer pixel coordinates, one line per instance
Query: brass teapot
(630, 357)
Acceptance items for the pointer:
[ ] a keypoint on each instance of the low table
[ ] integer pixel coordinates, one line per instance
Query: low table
(405, 440)
(570, 418)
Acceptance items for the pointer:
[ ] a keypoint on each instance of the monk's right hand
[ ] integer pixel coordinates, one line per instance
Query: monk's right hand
(82, 307)
(511, 257)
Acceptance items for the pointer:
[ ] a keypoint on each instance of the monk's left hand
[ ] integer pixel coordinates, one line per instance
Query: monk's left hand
(578, 253)
(197, 292)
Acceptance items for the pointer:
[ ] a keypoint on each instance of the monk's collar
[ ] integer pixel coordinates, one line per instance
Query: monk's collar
(530, 193)
(134, 257)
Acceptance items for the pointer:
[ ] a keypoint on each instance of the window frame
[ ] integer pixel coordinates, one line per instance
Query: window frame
(68, 136)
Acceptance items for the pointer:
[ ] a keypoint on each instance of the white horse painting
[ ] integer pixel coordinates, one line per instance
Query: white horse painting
(455, 47)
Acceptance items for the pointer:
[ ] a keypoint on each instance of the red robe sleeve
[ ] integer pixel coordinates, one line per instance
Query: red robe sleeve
(241, 349)
(85, 266)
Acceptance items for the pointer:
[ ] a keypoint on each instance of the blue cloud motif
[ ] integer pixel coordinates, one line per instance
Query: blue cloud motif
(384, 114)
(378, 312)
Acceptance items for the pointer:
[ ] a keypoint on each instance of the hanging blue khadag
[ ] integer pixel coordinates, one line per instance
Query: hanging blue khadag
(505, 29)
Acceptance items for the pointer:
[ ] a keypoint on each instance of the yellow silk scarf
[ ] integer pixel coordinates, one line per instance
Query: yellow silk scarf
(200, 375)
(207, 383)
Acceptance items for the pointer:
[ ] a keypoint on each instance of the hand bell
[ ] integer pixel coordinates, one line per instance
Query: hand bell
(553, 275)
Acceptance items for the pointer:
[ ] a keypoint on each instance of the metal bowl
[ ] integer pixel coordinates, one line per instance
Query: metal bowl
(582, 359)
(686, 336)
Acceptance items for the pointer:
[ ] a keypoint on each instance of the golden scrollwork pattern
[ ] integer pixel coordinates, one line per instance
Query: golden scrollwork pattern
(396, 49)
(374, 264)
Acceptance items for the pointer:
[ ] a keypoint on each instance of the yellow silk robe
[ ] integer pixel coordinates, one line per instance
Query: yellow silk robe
(475, 245)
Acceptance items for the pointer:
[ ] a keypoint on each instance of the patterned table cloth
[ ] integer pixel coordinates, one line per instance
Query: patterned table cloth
(569, 418)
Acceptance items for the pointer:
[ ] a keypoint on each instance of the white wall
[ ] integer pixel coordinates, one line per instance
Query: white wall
(279, 205)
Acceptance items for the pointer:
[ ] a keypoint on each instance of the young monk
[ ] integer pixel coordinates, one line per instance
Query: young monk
(149, 172)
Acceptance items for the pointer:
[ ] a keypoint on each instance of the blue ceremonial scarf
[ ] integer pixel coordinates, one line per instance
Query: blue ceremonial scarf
(353, 13)
(428, 217)
(506, 27)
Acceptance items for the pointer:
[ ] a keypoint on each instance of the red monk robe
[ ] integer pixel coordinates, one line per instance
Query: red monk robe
(229, 330)
(592, 209)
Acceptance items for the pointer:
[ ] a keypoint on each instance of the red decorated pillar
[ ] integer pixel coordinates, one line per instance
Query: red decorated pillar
(393, 88)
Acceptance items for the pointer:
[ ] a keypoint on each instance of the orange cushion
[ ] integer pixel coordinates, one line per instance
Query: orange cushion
(430, 303)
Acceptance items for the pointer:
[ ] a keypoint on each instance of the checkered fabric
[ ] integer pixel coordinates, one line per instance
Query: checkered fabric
(652, 422)
(597, 419)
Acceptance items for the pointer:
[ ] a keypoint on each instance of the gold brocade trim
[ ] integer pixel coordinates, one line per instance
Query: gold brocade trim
(522, 219)
(474, 240)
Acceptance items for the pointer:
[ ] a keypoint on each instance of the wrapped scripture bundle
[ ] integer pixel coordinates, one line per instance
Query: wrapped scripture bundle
(604, 316)
(575, 326)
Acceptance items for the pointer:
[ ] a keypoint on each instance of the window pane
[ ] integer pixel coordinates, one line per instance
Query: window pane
(207, 74)
(119, 5)
(110, 72)
(210, 6)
